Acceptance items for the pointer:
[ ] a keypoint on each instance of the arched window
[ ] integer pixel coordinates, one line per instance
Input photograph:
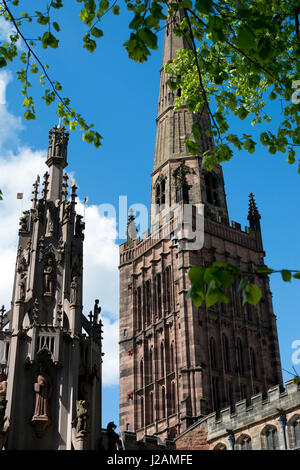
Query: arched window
(141, 374)
(160, 193)
(220, 446)
(296, 432)
(270, 438)
(162, 360)
(226, 355)
(212, 351)
(253, 363)
(163, 402)
(211, 186)
(245, 443)
(240, 357)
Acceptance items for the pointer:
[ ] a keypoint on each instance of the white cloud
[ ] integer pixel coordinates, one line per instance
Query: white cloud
(19, 166)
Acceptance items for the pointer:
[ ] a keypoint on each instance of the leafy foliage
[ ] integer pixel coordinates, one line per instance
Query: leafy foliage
(210, 285)
(233, 68)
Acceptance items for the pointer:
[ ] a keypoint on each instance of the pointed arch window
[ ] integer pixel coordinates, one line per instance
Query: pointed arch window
(160, 193)
(151, 410)
(296, 432)
(211, 185)
(245, 443)
(271, 437)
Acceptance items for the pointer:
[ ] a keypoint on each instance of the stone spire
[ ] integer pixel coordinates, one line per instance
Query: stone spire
(57, 160)
(173, 126)
(253, 214)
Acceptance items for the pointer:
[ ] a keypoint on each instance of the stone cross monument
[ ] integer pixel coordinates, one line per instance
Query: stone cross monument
(50, 385)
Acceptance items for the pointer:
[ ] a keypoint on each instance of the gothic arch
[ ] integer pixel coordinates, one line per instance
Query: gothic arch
(244, 442)
(269, 438)
(293, 431)
(220, 446)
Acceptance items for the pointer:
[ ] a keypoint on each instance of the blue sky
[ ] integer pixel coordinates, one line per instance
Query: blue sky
(120, 98)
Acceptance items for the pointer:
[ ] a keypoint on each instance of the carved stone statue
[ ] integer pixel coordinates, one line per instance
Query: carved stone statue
(22, 287)
(74, 291)
(81, 419)
(43, 389)
(49, 277)
(97, 311)
(113, 439)
(79, 226)
(3, 384)
(3, 401)
(24, 221)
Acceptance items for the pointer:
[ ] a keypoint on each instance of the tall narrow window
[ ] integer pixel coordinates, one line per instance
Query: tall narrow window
(141, 374)
(139, 309)
(215, 393)
(160, 193)
(272, 439)
(148, 302)
(173, 398)
(211, 185)
(163, 402)
(151, 365)
(296, 432)
(226, 355)
(172, 359)
(168, 289)
(162, 360)
(158, 295)
(240, 357)
(142, 412)
(212, 351)
(253, 363)
(151, 410)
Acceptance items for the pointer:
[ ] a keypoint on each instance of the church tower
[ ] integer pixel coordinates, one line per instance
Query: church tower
(179, 362)
(50, 367)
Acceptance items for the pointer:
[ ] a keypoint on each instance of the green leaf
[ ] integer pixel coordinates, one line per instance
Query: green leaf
(245, 38)
(116, 10)
(98, 33)
(56, 26)
(49, 40)
(286, 275)
(297, 275)
(204, 6)
(252, 294)
(264, 270)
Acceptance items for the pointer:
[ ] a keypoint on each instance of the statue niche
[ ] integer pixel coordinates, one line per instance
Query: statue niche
(43, 389)
(48, 273)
